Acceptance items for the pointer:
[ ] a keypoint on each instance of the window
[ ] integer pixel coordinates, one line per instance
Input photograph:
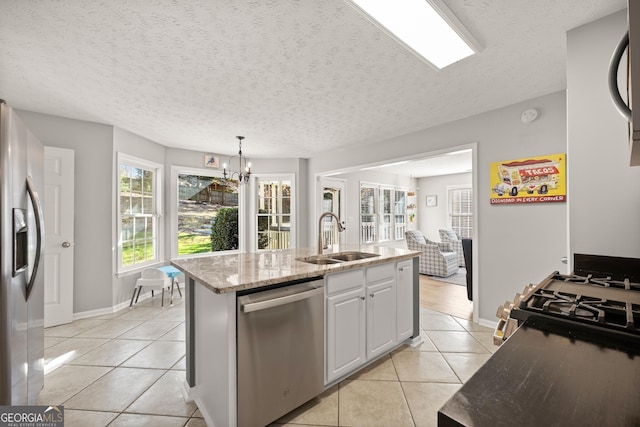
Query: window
(368, 214)
(138, 212)
(274, 216)
(400, 213)
(207, 213)
(383, 213)
(461, 211)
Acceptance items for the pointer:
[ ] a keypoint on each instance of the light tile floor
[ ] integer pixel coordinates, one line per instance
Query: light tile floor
(126, 369)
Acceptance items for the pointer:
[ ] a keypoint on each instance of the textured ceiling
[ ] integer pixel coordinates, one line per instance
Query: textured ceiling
(294, 77)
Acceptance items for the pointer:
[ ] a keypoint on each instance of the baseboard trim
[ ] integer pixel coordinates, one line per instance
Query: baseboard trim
(107, 310)
(488, 323)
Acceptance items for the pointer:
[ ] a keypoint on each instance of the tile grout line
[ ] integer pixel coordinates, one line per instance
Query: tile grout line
(406, 401)
(119, 365)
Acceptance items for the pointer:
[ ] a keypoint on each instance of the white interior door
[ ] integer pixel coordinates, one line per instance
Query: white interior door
(58, 254)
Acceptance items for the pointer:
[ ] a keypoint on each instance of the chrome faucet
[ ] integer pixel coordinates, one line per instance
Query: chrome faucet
(321, 245)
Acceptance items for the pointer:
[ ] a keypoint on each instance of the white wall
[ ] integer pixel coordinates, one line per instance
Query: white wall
(604, 192)
(515, 245)
(93, 145)
(431, 219)
(95, 284)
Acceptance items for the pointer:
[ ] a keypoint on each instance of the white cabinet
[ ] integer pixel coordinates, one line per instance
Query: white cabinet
(346, 327)
(381, 309)
(369, 311)
(404, 295)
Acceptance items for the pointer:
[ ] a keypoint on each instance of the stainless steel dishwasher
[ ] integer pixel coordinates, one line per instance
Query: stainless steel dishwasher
(280, 350)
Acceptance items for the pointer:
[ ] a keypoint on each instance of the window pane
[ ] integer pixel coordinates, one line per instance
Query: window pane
(127, 229)
(136, 205)
(200, 199)
(127, 254)
(367, 200)
(386, 201)
(147, 204)
(147, 182)
(274, 228)
(149, 250)
(138, 233)
(125, 204)
(136, 180)
(461, 211)
(263, 240)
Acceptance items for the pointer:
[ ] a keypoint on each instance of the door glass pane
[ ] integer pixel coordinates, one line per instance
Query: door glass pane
(273, 201)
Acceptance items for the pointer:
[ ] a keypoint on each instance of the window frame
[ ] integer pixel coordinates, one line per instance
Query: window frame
(176, 171)
(450, 214)
(290, 177)
(158, 217)
(379, 214)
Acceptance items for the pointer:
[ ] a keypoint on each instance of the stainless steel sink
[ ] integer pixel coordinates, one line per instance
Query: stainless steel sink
(352, 256)
(337, 258)
(319, 260)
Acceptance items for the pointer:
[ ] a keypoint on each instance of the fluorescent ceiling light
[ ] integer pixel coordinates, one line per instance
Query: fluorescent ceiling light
(426, 27)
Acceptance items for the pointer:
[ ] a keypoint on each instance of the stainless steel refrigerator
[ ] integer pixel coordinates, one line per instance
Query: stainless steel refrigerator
(21, 262)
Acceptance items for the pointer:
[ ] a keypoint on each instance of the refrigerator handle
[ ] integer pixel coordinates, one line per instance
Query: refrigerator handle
(37, 207)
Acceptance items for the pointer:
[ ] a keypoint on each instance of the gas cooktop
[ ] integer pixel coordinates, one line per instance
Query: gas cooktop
(603, 295)
(600, 301)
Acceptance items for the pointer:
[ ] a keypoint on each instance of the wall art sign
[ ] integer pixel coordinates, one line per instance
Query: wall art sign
(540, 179)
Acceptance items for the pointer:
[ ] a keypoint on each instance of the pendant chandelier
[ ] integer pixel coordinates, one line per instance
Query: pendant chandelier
(244, 167)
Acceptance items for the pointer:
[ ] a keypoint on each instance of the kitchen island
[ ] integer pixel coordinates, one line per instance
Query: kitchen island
(352, 340)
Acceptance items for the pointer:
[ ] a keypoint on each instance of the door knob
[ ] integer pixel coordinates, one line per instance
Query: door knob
(66, 244)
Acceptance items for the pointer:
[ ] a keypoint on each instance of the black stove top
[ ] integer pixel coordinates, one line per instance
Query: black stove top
(600, 301)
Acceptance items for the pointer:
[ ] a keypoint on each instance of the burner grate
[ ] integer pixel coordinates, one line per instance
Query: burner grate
(605, 312)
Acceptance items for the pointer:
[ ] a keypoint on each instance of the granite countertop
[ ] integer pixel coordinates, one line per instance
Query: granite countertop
(236, 272)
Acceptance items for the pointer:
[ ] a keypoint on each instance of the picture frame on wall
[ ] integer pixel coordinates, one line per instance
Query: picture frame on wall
(432, 201)
(211, 161)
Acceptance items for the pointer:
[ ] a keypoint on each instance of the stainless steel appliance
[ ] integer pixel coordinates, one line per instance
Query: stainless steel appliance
(21, 254)
(280, 350)
(570, 353)
(631, 43)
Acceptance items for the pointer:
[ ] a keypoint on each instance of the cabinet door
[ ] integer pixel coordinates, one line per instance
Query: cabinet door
(345, 332)
(381, 317)
(404, 292)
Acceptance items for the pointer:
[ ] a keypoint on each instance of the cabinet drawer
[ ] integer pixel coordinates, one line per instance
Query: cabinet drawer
(345, 280)
(380, 272)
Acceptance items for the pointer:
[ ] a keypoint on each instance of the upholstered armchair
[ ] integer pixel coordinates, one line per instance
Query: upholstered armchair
(450, 236)
(436, 258)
